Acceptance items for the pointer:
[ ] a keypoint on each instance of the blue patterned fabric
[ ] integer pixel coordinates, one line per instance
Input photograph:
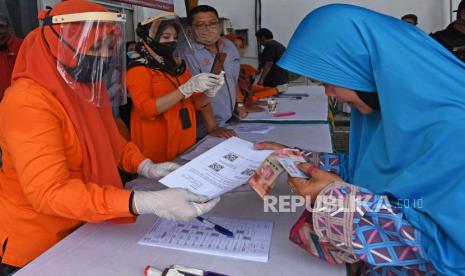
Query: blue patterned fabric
(414, 147)
(381, 236)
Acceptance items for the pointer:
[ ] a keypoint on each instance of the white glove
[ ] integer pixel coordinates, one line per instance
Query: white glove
(174, 203)
(151, 170)
(212, 91)
(282, 87)
(198, 83)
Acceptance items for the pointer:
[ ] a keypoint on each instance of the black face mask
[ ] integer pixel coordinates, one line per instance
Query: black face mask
(165, 49)
(85, 71)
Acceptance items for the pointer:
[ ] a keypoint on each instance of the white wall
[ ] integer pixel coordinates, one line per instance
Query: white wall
(282, 17)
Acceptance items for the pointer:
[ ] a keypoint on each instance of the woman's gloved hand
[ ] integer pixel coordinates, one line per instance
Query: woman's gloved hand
(174, 203)
(213, 91)
(151, 170)
(199, 84)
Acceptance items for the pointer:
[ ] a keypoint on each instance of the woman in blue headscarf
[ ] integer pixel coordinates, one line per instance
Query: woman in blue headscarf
(407, 140)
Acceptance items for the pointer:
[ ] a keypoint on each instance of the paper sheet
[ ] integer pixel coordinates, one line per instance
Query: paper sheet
(250, 128)
(251, 239)
(219, 170)
(202, 147)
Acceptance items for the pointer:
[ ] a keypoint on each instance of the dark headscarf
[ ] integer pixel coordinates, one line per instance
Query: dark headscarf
(169, 64)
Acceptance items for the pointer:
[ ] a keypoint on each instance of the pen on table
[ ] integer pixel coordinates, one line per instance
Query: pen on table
(217, 227)
(195, 272)
(284, 114)
(179, 270)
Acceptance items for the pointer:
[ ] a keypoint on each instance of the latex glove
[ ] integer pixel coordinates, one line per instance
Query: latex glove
(151, 170)
(199, 84)
(174, 203)
(213, 91)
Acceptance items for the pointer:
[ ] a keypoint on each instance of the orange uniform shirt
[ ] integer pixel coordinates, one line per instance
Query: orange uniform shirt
(160, 136)
(42, 193)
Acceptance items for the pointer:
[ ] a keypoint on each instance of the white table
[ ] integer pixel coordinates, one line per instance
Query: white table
(111, 249)
(314, 137)
(311, 109)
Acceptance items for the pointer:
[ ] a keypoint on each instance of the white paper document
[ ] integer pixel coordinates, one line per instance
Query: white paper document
(249, 128)
(208, 143)
(251, 239)
(219, 170)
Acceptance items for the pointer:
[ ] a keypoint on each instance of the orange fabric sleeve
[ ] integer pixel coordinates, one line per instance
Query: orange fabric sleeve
(261, 92)
(35, 141)
(123, 129)
(131, 157)
(139, 83)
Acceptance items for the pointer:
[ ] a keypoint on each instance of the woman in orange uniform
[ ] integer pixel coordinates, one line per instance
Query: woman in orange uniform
(61, 147)
(163, 121)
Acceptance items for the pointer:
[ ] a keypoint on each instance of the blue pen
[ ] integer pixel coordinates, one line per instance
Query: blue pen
(217, 227)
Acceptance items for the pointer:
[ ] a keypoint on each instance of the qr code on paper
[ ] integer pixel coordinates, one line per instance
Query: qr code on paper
(248, 172)
(216, 167)
(230, 157)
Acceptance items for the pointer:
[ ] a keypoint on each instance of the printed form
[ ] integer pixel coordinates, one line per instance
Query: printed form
(219, 170)
(251, 240)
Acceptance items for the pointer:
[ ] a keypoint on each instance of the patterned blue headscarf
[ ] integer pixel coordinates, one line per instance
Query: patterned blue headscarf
(414, 148)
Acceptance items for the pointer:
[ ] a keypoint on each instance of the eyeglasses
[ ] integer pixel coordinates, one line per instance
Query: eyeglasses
(211, 25)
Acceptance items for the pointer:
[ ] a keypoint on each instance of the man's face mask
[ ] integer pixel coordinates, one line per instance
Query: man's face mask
(89, 69)
(133, 54)
(207, 33)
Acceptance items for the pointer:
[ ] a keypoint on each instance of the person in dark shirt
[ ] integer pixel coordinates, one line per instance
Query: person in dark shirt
(271, 74)
(453, 37)
(410, 18)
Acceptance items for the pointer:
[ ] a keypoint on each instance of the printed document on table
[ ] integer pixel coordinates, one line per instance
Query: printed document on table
(219, 170)
(249, 128)
(208, 143)
(251, 239)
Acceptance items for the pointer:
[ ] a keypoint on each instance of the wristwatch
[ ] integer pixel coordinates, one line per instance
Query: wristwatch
(240, 104)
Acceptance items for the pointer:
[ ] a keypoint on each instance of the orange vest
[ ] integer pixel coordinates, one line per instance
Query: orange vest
(43, 196)
(159, 136)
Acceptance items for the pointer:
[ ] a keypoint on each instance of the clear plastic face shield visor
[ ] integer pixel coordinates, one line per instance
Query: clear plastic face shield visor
(91, 55)
(165, 29)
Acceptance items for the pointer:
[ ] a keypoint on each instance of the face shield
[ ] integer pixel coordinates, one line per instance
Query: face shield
(91, 55)
(163, 34)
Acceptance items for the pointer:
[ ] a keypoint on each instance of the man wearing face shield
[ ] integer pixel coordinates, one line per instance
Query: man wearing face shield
(9, 47)
(205, 27)
(61, 147)
(165, 96)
